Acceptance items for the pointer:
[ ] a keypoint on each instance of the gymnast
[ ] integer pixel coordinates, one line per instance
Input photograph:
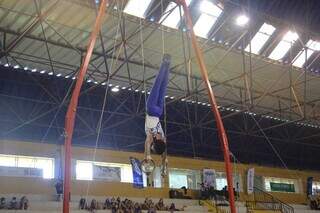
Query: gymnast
(156, 140)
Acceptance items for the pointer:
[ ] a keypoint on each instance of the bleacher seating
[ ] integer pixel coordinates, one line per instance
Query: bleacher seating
(45, 204)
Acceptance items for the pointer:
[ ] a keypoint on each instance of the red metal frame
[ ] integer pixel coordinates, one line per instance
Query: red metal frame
(222, 134)
(72, 108)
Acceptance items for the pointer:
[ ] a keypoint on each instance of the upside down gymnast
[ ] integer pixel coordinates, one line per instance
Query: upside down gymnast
(155, 137)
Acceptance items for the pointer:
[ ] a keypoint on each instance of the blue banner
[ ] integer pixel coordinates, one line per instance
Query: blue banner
(309, 186)
(136, 173)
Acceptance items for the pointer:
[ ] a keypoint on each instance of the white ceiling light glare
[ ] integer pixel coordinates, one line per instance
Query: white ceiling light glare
(284, 45)
(50, 73)
(172, 20)
(42, 71)
(260, 38)
(303, 56)
(59, 74)
(115, 89)
(34, 70)
(6, 65)
(209, 15)
(16, 66)
(242, 20)
(137, 7)
(25, 68)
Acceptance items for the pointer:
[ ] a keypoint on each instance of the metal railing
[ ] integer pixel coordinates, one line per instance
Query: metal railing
(265, 201)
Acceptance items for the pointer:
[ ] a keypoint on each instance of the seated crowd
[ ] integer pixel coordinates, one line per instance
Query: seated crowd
(127, 206)
(14, 204)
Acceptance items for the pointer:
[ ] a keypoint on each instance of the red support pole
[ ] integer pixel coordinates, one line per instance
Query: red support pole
(72, 108)
(221, 131)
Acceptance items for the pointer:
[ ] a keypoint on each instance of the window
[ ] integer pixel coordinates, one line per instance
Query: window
(209, 15)
(45, 164)
(137, 7)
(178, 178)
(259, 40)
(173, 19)
(88, 170)
(315, 187)
(114, 172)
(305, 54)
(273, 184)
(221, 181)
(284, 45)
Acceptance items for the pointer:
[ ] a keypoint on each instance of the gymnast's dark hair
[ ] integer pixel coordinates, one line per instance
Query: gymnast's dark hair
(159, 146)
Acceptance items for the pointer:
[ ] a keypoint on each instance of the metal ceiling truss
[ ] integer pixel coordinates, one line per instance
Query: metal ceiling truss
(190, 127)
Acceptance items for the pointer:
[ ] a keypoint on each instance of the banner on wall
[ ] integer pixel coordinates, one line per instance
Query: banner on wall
(250, 180)
(20, 172)
(209, 177)
(309, 186)
(106, 173)
(136, 173)
(282, 187)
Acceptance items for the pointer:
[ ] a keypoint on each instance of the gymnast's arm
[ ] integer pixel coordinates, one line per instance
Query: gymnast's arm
(147, 146)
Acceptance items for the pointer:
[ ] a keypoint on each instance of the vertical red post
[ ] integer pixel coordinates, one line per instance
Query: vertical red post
(72, 108)
(221, 131)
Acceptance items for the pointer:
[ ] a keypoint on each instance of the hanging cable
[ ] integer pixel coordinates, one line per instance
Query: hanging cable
(115, 57)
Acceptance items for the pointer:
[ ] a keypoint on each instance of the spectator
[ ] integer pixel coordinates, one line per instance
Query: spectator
(160, 205)
(107, 204)
(137, 208)
(152, 208)
(13, 203)
(93, 205)
(172, 208)
(82, 203)
(114, 207)
(24, 203)
(3, 204)
(59, 189)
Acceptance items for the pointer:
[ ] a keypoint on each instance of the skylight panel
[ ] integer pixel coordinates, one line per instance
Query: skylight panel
(209, 15)
(137, 7)
(284, 45)
(311, 47)
(259, 40)
(173, 19)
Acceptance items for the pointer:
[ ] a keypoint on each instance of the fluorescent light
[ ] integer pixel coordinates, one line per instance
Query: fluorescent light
(242, 20)
(74, 77)
(25, 68)
(43, 71)
(115, 89)
(59, 74)
(67, 76)
(89, 80)
(16, 66)
(34, 70)
(311, 47)
(104, 83)
(259, 40)
(123, 88)
(210, 14)
(137, 7)
(50, 73)
(6, 65)
(110, 85)
(284, 45)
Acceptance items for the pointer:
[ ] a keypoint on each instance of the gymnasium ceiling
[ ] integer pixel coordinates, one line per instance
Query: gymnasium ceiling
(244, 82)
